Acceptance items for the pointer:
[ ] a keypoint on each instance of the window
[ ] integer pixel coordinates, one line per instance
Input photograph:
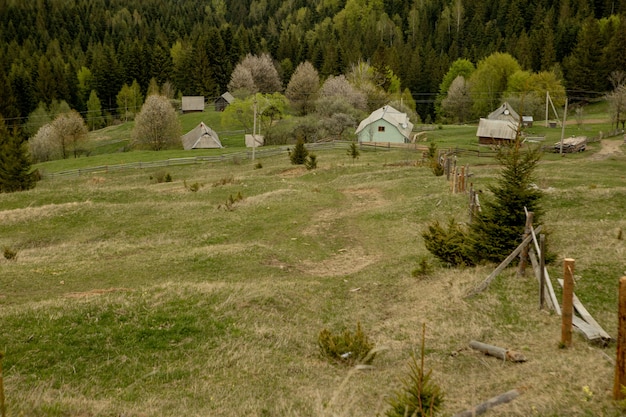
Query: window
(381, 128)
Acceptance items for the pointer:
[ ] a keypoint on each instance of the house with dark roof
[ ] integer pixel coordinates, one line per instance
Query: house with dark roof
(223, 101)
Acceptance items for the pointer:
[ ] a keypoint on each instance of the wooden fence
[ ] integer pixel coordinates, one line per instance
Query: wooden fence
(267, 151)
(248, 154)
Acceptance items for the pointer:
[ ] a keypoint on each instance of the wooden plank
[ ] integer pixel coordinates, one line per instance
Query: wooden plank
(548, 284)
(500, 267)
(588, 318)
(590, 332)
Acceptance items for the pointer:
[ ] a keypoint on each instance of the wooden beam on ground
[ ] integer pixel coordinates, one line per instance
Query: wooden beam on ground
(483, 286)
(589, 326)
(498, 352)
(490, 403)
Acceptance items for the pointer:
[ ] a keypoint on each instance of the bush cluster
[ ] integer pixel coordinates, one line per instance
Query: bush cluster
(10, 254)
(347, 347)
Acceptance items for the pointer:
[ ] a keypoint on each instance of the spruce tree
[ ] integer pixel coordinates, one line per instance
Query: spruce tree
(299, 154)
(15, 166)
(498, 229)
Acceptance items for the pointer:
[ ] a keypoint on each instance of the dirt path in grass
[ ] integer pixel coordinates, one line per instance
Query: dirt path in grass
(610, 147)
(351, 259)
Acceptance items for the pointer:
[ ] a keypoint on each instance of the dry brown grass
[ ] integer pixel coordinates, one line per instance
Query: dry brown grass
(300, 253)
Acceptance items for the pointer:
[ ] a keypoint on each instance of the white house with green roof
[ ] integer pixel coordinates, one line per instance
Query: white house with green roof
(385, 125)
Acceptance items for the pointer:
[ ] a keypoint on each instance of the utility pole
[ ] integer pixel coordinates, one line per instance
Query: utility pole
(547, 98)
(254, 129)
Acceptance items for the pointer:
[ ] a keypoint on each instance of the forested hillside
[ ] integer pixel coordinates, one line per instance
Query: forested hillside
(63, 49)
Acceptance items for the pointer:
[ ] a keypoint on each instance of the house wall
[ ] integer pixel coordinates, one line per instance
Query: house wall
(493, 141)
(372, 133)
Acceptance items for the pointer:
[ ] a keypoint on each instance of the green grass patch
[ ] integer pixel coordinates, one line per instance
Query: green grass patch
(139, 297)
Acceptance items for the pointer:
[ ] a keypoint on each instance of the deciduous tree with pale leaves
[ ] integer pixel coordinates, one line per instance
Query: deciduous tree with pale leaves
(303, 88)
(70, 133)
(255, 74)
(457, 105)
(157, 126)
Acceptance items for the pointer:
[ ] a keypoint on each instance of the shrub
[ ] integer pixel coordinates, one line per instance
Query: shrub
(161, 176)
(424, 268)
(353, 151)
(299, 154)
(435, 166)
(258, 165)
(346, 347)
(419, 396)
(311, 162)
(230, 179)
(9, 253)
(448, 245)
(192, 187)
(229, 205)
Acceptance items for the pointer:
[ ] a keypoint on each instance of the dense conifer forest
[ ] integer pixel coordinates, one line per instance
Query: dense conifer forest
(63, 50)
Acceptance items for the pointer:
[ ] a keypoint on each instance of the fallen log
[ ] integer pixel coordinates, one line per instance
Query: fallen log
(498, 352)
(490, 403)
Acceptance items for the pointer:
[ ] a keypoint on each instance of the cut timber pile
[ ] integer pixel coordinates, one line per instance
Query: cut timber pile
(571, 145)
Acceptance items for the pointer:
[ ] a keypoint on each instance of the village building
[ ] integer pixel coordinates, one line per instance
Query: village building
(223, 101)
(385, 125)
(201, 137)
(192, 104)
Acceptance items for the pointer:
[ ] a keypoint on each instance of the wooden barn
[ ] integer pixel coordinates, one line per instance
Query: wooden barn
(192, 104)
(500, 126)
(223, 101)
(496, 132)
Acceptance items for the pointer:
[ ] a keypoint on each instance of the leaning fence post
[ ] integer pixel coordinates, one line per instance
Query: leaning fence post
(620, 363)
(568, 302)
(523, 261)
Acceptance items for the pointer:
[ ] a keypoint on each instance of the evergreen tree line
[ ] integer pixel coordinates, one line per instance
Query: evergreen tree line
(79, 51)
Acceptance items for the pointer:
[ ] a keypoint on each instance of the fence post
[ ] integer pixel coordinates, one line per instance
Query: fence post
(2, 406)
(620, 363)
(542, 271)
(568, 302)
(471, 203)
(523, 256)
(462, 184)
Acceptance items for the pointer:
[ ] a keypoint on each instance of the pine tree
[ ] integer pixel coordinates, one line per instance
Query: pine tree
(499, 227)
(299, 153)
(15, 167)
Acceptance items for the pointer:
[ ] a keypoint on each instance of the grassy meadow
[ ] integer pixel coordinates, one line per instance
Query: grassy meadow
(137, 298)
